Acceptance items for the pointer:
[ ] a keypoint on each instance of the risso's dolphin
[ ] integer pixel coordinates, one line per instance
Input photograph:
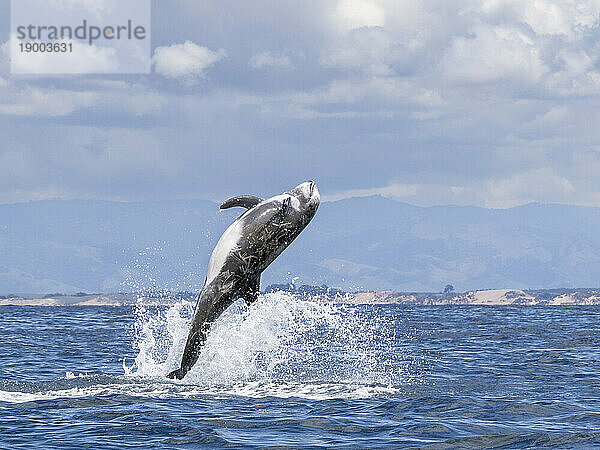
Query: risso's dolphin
(244, 251)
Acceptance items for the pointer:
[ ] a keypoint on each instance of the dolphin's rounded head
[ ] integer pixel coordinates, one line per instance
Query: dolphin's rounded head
(289, 214)
(308, 198)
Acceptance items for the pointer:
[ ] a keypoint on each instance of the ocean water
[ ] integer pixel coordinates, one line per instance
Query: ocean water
(292, 372)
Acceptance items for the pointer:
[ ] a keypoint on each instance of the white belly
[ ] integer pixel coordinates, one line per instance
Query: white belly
(227, 243)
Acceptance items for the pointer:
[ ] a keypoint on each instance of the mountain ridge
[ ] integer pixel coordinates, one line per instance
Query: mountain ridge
(360, 243)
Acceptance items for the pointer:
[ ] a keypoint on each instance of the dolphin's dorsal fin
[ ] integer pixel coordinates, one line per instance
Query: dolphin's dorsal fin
(245, 201)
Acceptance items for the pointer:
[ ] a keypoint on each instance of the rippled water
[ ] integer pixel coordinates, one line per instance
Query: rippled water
(301, 373)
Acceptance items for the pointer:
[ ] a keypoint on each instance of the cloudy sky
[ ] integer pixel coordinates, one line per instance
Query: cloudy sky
(492, 103)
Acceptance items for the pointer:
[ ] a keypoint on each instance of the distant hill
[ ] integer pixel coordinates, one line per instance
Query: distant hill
(369, 243)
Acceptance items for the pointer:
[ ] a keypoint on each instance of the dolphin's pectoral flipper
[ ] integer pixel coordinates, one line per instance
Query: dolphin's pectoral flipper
(252, 291)
(245, 201)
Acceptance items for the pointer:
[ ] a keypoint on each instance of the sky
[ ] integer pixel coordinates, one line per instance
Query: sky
(491, 103)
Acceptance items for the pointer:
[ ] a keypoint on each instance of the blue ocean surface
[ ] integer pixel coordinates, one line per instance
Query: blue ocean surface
(301, 373)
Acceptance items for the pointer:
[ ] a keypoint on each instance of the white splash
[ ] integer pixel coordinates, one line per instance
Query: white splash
(159, 337)
(280, 338)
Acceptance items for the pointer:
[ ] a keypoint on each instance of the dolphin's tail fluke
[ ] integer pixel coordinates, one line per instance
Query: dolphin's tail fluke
(178, 373)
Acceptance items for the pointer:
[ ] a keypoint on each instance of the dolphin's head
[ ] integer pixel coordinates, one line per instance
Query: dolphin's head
(296, 208)
(308, 198)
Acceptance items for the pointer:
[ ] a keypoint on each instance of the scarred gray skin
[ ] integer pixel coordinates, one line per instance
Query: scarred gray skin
(244, 251)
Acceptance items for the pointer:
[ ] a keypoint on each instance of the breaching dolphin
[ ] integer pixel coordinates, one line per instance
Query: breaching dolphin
(243, 252)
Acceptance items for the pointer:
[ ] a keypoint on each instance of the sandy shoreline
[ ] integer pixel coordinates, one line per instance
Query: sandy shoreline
(492, 297)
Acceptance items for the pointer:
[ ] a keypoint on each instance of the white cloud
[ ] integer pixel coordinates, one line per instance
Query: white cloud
(576, 61)
(494, 54)
(384, 97)
(396, 191)
(99, 8)
(269, 59)
(378, 38)
(587, 163)
(533, 185)
(36, 101)
(5, 57)
(43, 102)
(95, 159)
(352, 92)
(550, 17)
(370, 50)
(353, 14)
(555, 116)
(422, 194)
(577, 74)
(187, 60)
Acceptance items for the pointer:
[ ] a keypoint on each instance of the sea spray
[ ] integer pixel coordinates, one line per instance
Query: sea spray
(159, 335)
(281, 338)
